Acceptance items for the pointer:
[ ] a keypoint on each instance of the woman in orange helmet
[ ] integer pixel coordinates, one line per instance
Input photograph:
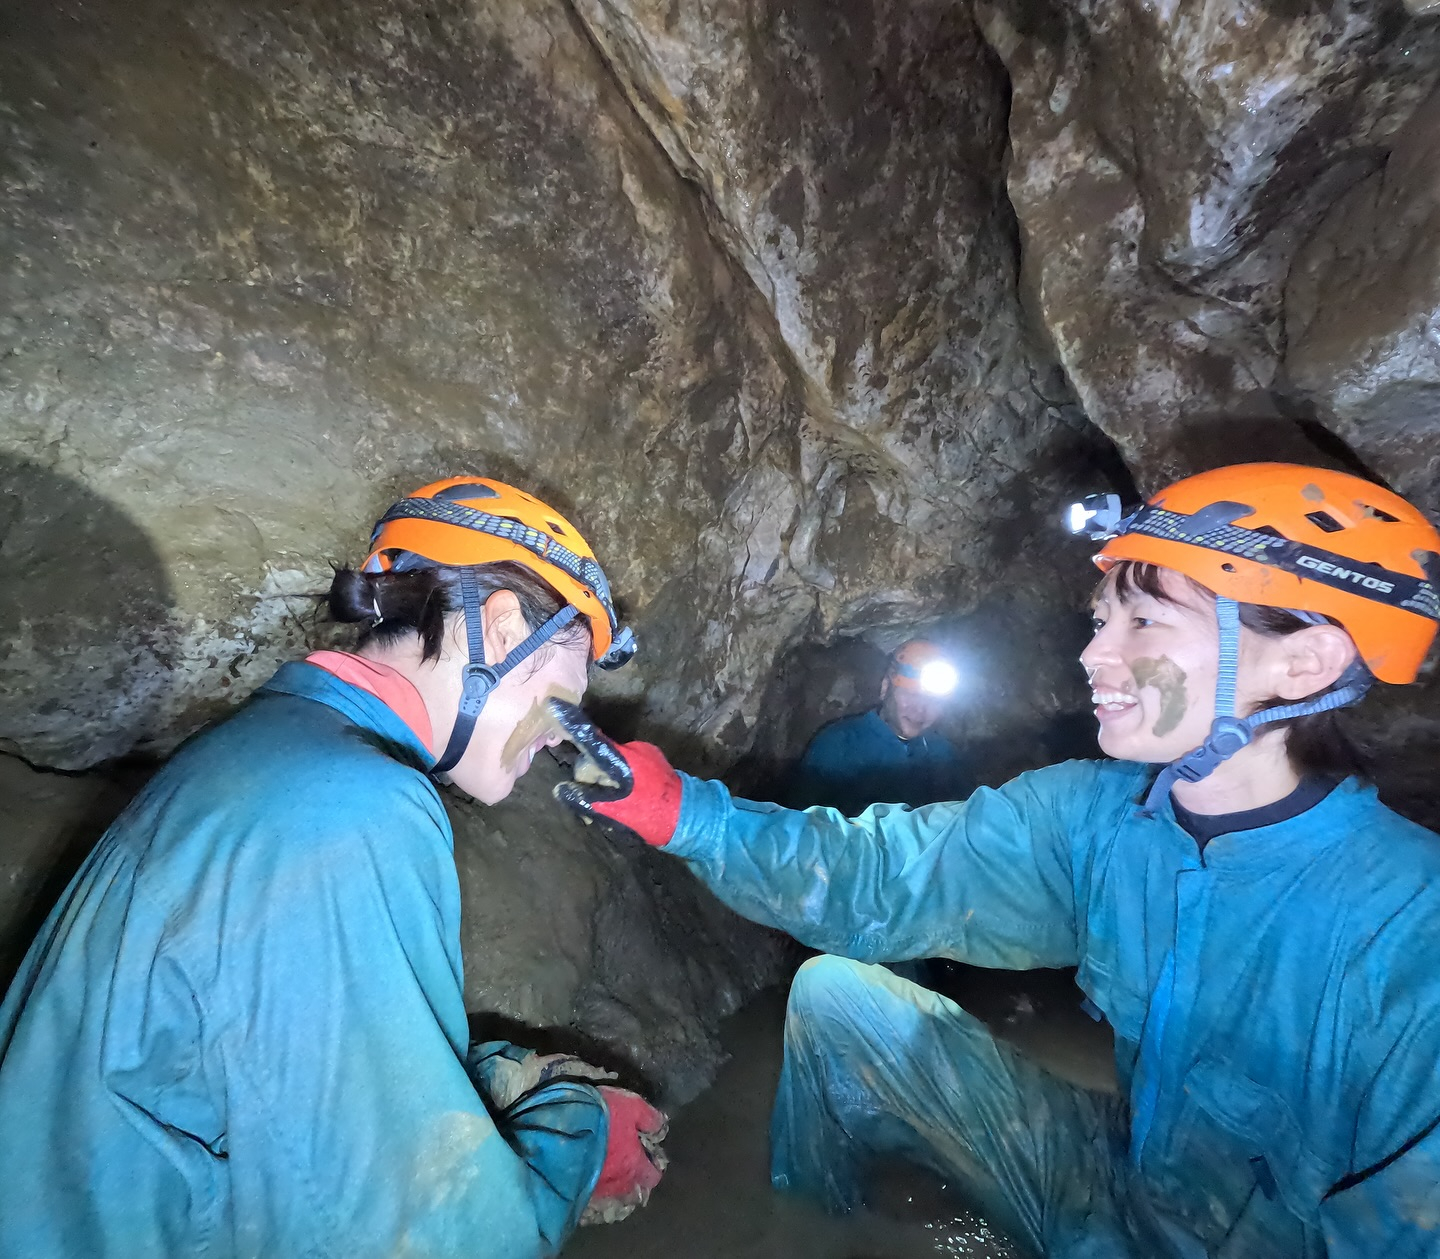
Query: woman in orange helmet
(242, 1031)
(1259, 930)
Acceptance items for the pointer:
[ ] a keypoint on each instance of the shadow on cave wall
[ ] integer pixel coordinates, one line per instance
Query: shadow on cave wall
(82, 582)
(1212, 441)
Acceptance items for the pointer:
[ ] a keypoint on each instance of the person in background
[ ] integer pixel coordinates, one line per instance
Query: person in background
(242, 1031)
(1257, 927)
(891, 754)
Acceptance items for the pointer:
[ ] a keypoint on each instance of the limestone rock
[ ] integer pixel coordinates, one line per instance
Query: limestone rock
(568, 928)
(269, 266)
(1363, 316)
(1167, 162)
(265, 269)
(849, 159)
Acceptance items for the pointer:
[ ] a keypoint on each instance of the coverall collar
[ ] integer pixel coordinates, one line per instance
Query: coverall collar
(873, 715)
(1298, 838)
(308, 681)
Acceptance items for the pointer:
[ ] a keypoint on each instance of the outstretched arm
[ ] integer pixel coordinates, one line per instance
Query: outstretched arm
(990, 881)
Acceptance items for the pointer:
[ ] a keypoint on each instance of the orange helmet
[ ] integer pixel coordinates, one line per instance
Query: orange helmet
(1302, 538)
(921, 666)
(465, 521)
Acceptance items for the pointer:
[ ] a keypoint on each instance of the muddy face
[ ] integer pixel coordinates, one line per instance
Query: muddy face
(514, 725)
(537, 725)
(1168, 678)
(1152, 667)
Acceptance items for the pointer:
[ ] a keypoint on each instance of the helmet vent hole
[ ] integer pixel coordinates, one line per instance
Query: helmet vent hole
(1380, 515)
(466, 489)
(556, 527)
(1324, 520)
(1229, 568)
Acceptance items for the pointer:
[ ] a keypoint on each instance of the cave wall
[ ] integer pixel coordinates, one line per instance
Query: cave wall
(813, 314)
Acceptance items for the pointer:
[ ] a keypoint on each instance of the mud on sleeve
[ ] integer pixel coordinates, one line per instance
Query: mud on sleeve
(986, 881)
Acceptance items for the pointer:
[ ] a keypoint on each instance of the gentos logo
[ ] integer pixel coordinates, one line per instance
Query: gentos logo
(1346, 574)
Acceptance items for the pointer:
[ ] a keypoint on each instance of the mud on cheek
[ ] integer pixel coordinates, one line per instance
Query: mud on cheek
(1168, 678)
(535, 723)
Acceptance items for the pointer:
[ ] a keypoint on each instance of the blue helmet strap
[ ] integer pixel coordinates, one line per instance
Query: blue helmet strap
(1229, 733)
(480, 678)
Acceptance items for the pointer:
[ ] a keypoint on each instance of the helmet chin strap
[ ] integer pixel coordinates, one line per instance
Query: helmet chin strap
(1229, 733)
(479, 678)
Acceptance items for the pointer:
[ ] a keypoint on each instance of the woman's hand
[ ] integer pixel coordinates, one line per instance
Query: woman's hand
(634, 1160)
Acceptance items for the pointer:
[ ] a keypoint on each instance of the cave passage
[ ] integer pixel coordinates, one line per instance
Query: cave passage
(374, 373)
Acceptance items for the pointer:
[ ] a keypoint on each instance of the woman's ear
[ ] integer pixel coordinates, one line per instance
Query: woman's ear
(505, 625)
(1313, 659)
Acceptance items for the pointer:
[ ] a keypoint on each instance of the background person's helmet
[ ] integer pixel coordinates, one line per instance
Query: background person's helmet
(466, 521)
(1304, 539)
(921, 666)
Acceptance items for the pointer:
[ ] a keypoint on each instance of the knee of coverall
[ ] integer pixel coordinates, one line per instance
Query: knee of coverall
(858, 1001)
(829, 987)
(834, 987)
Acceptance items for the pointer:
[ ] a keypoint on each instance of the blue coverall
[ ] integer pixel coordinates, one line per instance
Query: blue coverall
(1276, 1005)
(856, 761)
(242, 1031)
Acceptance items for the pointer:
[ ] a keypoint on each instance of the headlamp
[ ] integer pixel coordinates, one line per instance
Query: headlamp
(938, 677)
(622, 649)
(1097, 516)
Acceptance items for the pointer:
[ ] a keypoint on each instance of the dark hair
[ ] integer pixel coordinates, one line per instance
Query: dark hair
(1318, 745)
(417, 600)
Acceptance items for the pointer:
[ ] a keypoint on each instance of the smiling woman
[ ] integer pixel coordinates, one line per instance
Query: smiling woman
(1260, 936)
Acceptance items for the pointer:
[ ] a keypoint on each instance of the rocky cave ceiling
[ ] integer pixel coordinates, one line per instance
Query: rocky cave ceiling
(814, 313)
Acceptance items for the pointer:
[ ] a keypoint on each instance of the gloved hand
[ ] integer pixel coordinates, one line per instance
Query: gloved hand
(631, 783)
(634, 1160)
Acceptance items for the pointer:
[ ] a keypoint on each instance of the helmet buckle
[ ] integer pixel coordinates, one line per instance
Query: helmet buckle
(478, 680)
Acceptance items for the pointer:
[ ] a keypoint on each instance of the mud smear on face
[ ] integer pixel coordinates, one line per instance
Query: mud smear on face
(537, 722)
(1168, 678)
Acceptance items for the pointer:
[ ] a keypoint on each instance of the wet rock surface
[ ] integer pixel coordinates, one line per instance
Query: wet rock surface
(50, 821)
(1168, 162)
(813, 315)
(599, 944)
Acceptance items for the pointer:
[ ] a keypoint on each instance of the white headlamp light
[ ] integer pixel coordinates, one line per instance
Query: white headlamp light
(938, 677)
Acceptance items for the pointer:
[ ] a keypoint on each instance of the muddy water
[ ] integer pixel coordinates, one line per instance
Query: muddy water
(716, 1201)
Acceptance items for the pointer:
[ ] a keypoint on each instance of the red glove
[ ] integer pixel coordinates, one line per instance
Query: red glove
(633, 1160)
(636, 786)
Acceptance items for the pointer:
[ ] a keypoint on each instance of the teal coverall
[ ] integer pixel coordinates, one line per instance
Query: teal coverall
(242, 1033)
(1276, 1006)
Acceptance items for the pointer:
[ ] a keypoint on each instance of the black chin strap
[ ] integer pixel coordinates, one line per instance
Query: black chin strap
(480, 678)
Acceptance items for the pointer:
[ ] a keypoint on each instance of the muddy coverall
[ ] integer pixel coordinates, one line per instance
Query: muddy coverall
(242, 1030)
(1276, 1005)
